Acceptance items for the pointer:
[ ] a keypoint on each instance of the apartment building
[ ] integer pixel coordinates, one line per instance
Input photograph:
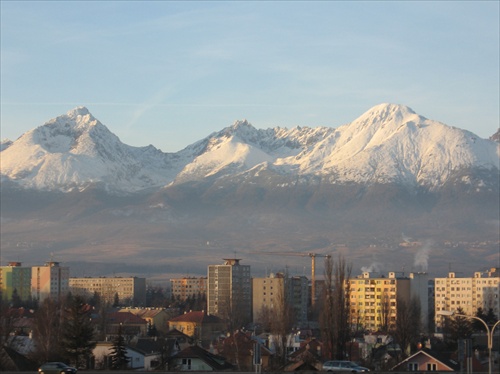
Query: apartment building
(49, 281)
(229, 292)
(468, 293)
(374, 298)
(188, 287)
(131, 290)
(14, 278)
(268, 293)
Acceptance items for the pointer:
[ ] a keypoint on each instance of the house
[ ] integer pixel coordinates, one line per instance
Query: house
(307, 357)
(426, 360)
(155, 317)
(195, 358)
(131, 324)
(179, 339)
(198, 325)
(239, 350)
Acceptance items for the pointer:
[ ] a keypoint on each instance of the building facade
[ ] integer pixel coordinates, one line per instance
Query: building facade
(15, 279)
(188, 287)
(468, 293)
(49, 281)
(229, 293)
(130, 290)
(268, 294)
(374, 299)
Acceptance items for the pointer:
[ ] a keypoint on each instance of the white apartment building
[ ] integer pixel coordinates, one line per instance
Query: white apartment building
(229, 293)
(128, 289)
(468, 293)
(50, 280)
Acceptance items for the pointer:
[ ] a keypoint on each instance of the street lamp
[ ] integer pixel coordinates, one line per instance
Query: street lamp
(447, 313)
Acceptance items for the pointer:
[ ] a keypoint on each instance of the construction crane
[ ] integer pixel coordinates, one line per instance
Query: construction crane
(313, 267)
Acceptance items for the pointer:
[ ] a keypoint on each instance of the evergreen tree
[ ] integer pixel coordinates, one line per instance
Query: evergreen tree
(119, 358)
(77, 331)
(116, 300)
(16, 299)
(458, 327)
(478, 326)
(490, 317)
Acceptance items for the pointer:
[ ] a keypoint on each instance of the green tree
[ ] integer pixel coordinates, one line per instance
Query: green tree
(77, 331)
(119, 358)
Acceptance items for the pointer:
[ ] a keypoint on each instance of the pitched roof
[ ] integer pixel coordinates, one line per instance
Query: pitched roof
(125, 318)
(214, 361)
(196, 317)
(451, 364)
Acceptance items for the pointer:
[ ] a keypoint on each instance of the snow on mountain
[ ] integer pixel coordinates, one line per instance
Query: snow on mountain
(76, 150)
(387, 144)
(391, 143)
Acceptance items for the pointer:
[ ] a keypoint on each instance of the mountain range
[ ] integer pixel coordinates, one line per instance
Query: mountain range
(71, 189)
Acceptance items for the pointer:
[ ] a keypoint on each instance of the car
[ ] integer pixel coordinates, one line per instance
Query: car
(345, 366)
(56, 368)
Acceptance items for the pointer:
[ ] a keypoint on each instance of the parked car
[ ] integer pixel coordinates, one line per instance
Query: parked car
(56, 368)
(345, 366)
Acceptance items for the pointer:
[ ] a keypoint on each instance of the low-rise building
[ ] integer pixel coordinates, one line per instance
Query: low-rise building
(155, 317)
(198, 325)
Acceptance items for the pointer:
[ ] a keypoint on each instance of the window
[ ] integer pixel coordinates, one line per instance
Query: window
(412, 366)
(431, 366)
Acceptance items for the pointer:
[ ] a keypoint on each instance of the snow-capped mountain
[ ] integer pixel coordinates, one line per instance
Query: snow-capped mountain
(387, 144)
(76, 150)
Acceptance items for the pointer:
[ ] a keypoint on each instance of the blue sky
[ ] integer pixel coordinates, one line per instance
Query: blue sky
(170, 73)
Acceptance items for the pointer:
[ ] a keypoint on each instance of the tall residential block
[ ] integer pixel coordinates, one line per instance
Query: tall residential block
(15, 279)
(468, 293)
(131, 290)
(49, 281)
(271, 292)
(183, 288)
(374, 299)
(229, 293)
(267, 295)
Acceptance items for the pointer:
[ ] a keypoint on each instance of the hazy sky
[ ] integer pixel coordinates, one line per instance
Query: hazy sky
(170, 73)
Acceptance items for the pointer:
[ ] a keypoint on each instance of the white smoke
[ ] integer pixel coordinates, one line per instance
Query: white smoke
(421, 261)
(374, 267)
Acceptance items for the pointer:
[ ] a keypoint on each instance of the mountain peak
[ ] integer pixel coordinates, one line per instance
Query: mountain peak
(78, 111)
(388, 111)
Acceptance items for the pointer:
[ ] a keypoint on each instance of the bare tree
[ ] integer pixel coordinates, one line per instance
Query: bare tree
(47, 331)
(385, 311)
(408, 323)
(282, 323)
(335, 316)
